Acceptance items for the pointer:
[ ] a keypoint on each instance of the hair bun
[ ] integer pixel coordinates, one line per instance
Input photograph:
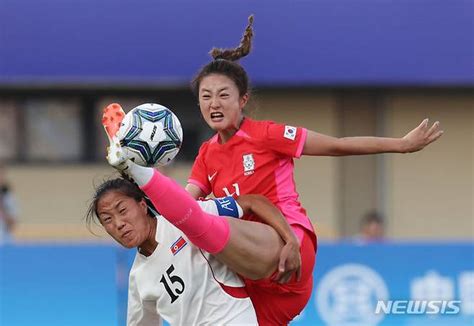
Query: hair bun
(239, 52)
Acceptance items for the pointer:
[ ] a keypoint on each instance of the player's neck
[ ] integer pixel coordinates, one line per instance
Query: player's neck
(227, 134)
(150, 244)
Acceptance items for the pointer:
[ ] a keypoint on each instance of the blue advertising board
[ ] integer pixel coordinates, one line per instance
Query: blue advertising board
(58, 285)
(392, 284)
(381, 284)
(297, 43)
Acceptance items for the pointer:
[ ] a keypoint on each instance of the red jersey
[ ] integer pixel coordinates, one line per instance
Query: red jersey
(258, 159)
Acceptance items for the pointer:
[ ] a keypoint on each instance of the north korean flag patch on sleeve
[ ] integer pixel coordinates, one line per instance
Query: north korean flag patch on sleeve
(178, 245)
(290, 132)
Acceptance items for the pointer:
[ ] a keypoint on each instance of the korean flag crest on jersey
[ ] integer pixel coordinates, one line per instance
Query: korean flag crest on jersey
(290, 132)
(249, 164)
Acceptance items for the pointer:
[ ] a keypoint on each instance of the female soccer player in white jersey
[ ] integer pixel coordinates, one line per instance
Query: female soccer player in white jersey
(247, 156)
(171, 278)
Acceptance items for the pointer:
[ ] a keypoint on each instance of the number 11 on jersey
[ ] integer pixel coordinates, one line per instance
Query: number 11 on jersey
(236, 190)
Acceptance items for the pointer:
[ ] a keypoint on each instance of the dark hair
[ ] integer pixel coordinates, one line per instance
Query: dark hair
(372, 217)
(224, 63)
(123, 186)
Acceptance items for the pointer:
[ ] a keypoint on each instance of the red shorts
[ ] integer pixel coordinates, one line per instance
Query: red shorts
(278, 304)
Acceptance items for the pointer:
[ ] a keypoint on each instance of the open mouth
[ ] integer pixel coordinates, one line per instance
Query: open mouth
(217, 116)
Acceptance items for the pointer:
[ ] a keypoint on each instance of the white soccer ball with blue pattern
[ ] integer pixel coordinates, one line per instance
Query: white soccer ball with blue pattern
(151, 135)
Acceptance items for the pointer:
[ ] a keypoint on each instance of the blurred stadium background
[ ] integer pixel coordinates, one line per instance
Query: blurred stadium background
(345, 67)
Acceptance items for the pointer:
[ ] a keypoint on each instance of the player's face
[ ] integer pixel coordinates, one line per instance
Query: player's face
(124, 218)
(220, 103)
(373, 231)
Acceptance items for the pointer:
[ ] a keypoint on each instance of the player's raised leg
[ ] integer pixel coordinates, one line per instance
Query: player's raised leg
(239, 244)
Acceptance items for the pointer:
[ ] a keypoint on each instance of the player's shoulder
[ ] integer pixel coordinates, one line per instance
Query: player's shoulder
(138, 261)
(251, 124)
(165, 230)
(203, 149)
(208, 143)
(256, 128)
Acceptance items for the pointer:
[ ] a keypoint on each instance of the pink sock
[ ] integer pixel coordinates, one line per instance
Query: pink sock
(206, 231)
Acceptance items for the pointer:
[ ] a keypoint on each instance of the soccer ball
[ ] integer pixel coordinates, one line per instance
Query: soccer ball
(151, 135)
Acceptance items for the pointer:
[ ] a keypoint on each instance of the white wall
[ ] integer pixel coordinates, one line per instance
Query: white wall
(430, 193)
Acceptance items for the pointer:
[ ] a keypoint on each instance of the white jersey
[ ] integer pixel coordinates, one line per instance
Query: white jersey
(185, 285)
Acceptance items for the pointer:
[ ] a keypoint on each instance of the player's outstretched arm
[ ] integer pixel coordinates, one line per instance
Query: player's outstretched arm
(290, 258)
(415, 140)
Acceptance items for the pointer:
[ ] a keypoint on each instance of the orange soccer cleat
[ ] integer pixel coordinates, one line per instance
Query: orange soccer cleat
(112, 117)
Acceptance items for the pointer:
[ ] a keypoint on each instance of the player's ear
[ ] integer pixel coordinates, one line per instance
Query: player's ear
(143, 206)
(243, 100)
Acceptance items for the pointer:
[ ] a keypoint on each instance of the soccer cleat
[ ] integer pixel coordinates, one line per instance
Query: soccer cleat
(112, 117)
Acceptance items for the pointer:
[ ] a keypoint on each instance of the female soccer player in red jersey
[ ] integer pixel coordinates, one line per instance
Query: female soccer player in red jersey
(247, 156)
(251, 249)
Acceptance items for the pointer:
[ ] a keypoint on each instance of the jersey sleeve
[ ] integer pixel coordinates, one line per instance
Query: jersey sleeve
(198, 175)
(224, 206)
(284, 139)
(140, 313)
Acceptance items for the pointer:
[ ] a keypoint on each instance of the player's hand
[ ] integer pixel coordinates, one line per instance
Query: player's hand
(421, 136)
(290, 262)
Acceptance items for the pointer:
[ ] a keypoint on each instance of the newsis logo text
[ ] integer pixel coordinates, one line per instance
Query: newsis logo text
(418, 307)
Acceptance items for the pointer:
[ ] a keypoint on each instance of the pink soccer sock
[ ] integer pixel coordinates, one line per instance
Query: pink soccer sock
(206, 231)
